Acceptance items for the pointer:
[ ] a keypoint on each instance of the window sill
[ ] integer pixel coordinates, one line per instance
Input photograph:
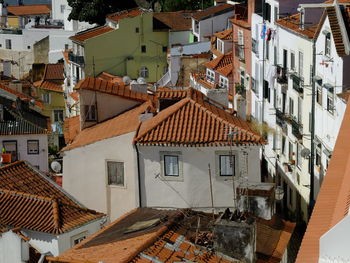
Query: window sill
(172, 178)
(117, 186)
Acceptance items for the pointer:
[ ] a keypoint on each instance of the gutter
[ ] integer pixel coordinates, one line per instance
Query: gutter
(138, 166)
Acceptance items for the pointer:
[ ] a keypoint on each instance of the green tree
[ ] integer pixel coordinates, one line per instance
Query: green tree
(95, 11)
(176, 5)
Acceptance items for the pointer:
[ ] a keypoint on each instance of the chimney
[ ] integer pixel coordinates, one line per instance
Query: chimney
(257, 199)
(240, 105)
(235, 236)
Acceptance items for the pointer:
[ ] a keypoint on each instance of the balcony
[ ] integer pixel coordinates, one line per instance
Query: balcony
(76, 59)
(11, 31)
(281, 120)
(282, 75)
(297, 129)
(297, 83)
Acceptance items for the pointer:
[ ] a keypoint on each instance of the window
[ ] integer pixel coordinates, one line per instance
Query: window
(226, 164)
(318, 147)
(267, 50)
(291, 107)
(290, 151)
(144, 72)
(330, 98)
(220, 45)
(76, 239)
(327, 49)
(11, 147)
(171, 166)
(266, 91)
(285, 58)
(223, 82)
(33, 147)
(242, 78)
(292, 61)
(8, 44)
(319, 94)
(301, 64)
(300, 109)
(46, 97)
(137, 30)
(58, 115)
(210, 75)
(240, 38)
(115, 173)
(283, 144)
(298, 155)
(28, 47)
(90, 112)
(66, 46)
(267, 12)
(276, 13)
(63, 7)
(143, 49)
(165, 48)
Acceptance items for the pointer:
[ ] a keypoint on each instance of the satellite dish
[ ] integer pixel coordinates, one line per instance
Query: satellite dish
(56, 166)
(305, 153)
(126, 80)
(134, 82)
(141, 80)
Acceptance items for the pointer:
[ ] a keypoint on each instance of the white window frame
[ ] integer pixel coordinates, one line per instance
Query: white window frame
(218, 155)
(144, 72)
(178, 154)
(210, 76)
(220, 45)
(327, 48)
(58, 111)
(62, 8)
(223, 83)
(90, 112)
(46, 97)
(33, 150)
(80, 237)
(301, 64)
(107, 174)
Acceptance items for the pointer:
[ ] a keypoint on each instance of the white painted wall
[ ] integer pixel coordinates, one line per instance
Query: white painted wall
(40, 159)
(108, 106)
(193, 190)
(57, 13)
(58, 41)
(11, 248)
(211, 25)
(88, 183)
(333, 246)
(179, 37)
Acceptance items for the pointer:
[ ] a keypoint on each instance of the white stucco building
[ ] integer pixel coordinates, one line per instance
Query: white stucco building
(51, 221)
(137, 159)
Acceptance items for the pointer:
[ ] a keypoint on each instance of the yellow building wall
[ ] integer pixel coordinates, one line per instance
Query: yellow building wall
(13, 21)
(119, 52)
(57, 103)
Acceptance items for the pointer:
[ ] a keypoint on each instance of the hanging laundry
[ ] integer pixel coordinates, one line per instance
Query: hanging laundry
(268, 34)
(263, 32)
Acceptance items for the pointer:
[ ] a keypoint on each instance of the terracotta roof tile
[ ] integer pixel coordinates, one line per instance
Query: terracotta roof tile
(44, 214)
(176, 21)
(332, 201)
(223, 64)
(28, 199)
(336, 31)
(90, 33)
(21, 96)
(125, 14)
(71, 128)
(293, 23)
(74, 96)
(54, 72)
(26, 10)
(104, 86)
(195, 122)
(122, 124)
(66, 55)
(111, 78)
(225, 35)
(48, 85)
(213, 11)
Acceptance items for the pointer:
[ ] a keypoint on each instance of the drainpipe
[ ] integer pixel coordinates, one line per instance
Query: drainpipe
(138, 174)
(312, 157)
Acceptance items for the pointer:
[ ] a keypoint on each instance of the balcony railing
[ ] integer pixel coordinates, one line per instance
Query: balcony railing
(255, 46)
(297, 128)
(76, 59)
(282, 75)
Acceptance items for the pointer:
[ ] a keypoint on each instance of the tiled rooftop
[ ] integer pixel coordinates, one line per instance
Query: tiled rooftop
(332, 203)
(125, 14)
(21, 95)
(223, 64)
(122, 124)
(43, 205)
(100, 85)
(26, 10)
(54, 72)
(213, 11)
(195, 122)
(171, 236)
(71, 128)
(176, 21)
(225, 35)
(48, 85)
(90, 33)
(293, 23)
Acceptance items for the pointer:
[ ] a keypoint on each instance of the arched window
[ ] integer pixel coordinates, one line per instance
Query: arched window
(144, 72)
